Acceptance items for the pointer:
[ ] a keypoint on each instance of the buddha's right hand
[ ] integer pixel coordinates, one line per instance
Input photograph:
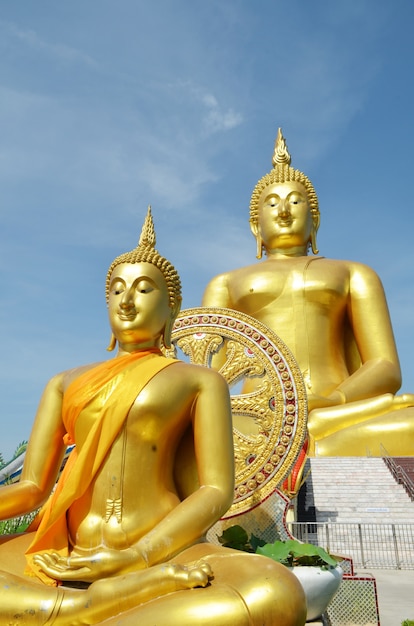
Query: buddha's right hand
(90, 567)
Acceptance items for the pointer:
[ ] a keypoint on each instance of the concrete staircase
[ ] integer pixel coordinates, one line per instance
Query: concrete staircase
(353, 489)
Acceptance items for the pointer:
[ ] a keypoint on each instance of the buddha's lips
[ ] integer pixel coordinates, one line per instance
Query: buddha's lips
(127, 316)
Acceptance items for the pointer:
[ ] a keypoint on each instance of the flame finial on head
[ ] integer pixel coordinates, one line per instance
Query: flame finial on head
(147, 237)
(281, 154)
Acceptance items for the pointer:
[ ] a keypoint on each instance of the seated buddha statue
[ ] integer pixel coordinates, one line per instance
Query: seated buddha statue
(332, 314)
(120, 540)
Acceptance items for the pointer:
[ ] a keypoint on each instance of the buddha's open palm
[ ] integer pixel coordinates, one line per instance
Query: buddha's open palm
(91, 567)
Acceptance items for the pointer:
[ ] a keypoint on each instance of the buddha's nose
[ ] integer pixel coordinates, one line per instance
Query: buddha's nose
(284, 208)
(127, 301)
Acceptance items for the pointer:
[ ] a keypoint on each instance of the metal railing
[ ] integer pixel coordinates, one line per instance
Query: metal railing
(400, 475)
(383, 546)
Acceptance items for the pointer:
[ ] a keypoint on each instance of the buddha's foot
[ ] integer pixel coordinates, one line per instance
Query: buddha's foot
(193, 575)
(403, 401)
(122, 593)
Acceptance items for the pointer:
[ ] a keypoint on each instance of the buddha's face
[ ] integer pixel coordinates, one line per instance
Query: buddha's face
(284, 217)
(138, 304)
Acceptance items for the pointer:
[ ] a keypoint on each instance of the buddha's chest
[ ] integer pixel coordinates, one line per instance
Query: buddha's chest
(280, 287)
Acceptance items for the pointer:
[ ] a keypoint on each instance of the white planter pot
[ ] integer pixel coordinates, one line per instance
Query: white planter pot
(320, 586)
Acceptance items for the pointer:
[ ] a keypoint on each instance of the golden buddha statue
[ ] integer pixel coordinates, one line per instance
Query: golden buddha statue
(332, 315)
(121, 538)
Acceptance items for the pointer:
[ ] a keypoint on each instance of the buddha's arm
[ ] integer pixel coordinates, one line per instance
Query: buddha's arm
(372, 385)
(368, 312)
(43, 457)
(217, 292)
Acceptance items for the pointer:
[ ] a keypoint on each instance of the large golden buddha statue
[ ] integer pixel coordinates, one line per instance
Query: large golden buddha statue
(332, 314)
(121, 538)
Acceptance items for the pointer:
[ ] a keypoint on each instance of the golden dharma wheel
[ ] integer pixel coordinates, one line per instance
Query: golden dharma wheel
(268, 396)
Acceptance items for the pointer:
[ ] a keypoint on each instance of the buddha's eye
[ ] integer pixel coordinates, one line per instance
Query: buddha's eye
(272, 201)
(295, 199)
(117, 289)
(144, 286)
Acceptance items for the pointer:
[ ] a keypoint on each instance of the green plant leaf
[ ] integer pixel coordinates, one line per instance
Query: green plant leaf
(278, 551)
(235, 537)
(256, 542)
(20, 449)
(293, 552)
(307, 551)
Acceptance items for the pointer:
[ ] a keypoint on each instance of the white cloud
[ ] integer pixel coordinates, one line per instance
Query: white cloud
(217, 120)
(32, 40)
(216, 117)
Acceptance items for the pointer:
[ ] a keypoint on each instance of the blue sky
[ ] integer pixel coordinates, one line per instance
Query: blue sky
(109, 105)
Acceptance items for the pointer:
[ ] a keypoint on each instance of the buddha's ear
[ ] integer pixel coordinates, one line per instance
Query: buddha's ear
(112, 343)
(166, 336)
(316, 220)
(254, 227)
(314, 230)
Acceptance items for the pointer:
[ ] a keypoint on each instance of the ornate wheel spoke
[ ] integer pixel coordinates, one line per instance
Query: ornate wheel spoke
(200, 347)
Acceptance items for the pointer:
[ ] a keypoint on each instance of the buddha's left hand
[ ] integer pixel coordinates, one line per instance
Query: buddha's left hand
(91, 567)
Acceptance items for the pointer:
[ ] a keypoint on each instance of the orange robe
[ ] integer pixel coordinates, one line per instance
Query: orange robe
(107, 392)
